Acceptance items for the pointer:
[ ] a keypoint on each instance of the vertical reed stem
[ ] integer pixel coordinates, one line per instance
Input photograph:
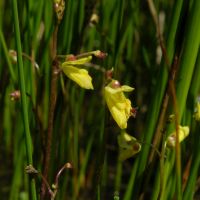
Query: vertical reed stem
(28, 140)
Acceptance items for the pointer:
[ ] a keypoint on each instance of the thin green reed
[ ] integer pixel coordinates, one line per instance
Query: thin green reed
(45, 61)
(188, 58)
(193, 173)
(67, 26)
(19, 152)
(5, 50)
(77, 126)
(168, 170)
(17, 180)
(82, 171)
(194, 89)
(155, 106)
(79, 134)
(157, 97)
(28, 140)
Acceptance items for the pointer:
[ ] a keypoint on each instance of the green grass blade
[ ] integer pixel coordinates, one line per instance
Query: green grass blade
(28, 139)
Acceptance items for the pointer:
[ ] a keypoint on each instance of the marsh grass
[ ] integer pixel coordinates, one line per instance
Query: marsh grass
(83, 131)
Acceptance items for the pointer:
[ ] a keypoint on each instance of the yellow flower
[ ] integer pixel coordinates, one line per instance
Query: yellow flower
(128, 146)
(183, 133)
(118, 104)
(78, 75)
(197, 111)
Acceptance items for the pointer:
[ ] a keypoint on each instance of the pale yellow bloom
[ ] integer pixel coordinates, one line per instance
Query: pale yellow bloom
(183, 133)
(118, 104)
(197, 111)
(128, 146)
(78, 75)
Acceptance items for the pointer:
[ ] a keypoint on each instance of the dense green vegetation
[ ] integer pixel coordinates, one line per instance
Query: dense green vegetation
(59, 140)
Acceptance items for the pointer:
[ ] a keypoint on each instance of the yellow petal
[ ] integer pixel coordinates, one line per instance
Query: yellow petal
(80, 61)
(126, 88)
(119, 116)
(80, 76)
(123, 88)
(183, 133)
(118, 104)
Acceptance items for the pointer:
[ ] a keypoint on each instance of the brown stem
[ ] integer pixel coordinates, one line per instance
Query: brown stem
(170, 85)
(53, 97)
(186, 173)
(66, 166)
(55, 185)
(171, 89)
(165, 101)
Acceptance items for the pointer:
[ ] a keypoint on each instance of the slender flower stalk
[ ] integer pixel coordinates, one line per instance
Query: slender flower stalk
(3, 43)
(59, 6)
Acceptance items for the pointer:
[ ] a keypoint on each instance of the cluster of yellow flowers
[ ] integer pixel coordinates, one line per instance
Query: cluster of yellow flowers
(121, 109)
(118, 105)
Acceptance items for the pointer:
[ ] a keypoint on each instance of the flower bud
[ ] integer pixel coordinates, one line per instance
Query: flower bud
(182, 133)
(128, 146)
(15, 95)
(197, 111)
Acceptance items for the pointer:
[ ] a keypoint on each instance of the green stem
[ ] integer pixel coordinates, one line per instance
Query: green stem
(189, 56)
(101, 157)
(28, 139)
(187, 64)
(156, 103)
(10, 67)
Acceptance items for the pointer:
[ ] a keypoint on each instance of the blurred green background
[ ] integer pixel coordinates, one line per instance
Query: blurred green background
(84, 134)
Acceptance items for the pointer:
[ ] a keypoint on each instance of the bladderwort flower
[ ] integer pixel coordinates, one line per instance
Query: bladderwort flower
(128, 146)
(197, 110)
(118, 104)
(182, 133)
(72, 68)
